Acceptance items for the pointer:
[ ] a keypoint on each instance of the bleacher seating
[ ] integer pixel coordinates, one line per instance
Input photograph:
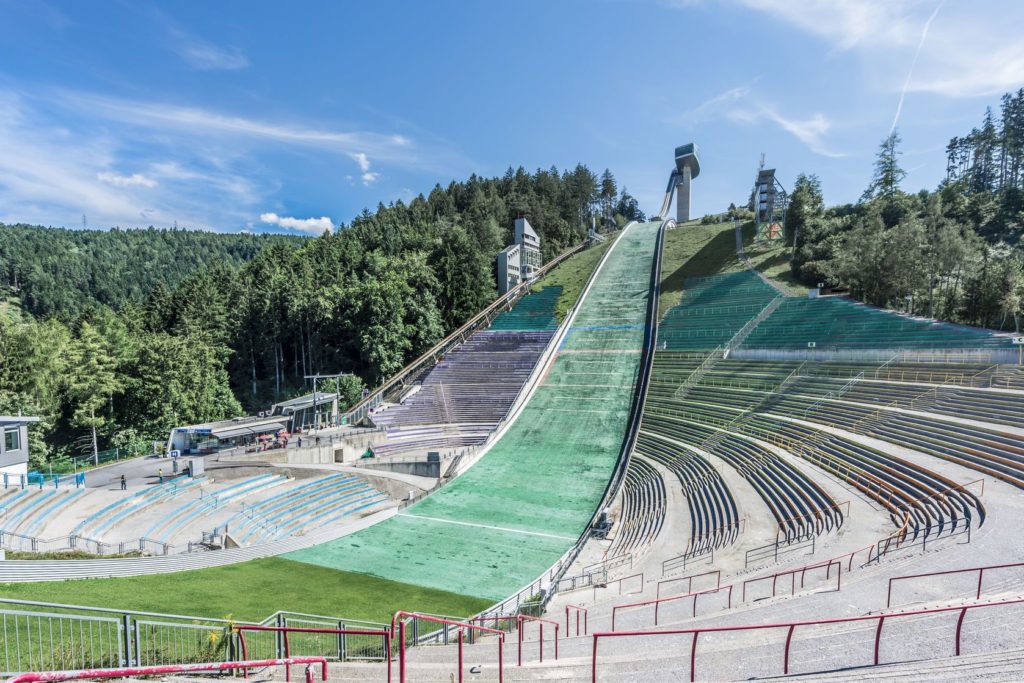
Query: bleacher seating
(315, 503)
(839, 323)
(176, 519)
(643, 509)
(535, 311)
(96, 524)
(926, 501)
(26, 511)
(403, 440)
(467, 393)
(713, 309)
(714, 520)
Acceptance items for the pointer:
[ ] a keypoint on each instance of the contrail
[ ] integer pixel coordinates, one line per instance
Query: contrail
(910, 73)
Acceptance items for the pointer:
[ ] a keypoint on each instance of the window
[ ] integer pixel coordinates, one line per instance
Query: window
(12, 439)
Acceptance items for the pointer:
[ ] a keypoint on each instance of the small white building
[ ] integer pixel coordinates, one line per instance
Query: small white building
(509, 275)
(14, 444)
(520, 261)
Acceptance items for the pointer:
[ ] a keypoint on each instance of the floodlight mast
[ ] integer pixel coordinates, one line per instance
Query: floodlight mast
(317, 376)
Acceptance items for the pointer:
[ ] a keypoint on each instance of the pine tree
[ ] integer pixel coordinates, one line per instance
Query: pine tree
(885, 184)
(93, 382)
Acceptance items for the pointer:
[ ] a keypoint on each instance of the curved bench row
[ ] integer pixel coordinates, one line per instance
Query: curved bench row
(923, 502)
(643, 508)
(712, 509)
(800, 507)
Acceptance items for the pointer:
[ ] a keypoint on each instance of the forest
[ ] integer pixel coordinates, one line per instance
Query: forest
(953, 253)
(114, 337)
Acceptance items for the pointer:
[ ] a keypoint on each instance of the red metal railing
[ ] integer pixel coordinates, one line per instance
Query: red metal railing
(398, 621)
(792, 573)
(240, 629)
(689, 579)
(981, 574)
(658, 602)
(520, 618)
(620, 581)
(826, 564)
(163, 669)
(791, 627)
(578, 610)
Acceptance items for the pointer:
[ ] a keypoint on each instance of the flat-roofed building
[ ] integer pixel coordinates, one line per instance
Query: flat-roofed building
(520, 261)
(14, 443)
(509, 275)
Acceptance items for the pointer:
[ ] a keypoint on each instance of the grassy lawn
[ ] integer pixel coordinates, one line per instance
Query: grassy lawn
(573, 275)
(772, 259)
(252, 591)
(693, 250)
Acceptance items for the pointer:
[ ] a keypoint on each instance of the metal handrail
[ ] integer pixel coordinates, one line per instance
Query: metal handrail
(163, 669)
(791, 627)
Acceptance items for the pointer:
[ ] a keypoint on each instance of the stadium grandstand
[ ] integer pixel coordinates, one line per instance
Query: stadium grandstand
(756, 485)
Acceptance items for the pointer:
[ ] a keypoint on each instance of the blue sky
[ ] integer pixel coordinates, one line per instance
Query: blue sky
(296, 116)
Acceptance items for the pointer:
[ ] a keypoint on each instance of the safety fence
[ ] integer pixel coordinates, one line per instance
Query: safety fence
(460, 628)
(11, 540)
(789, 628)
(41, 636)
(681, 562)
(340, 644)
(1000, 356)
(43, 480)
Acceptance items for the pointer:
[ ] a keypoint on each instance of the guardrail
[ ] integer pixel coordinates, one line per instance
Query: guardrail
(285, 643)
(675, 598)
(981, 575)
(52, 635)
(680, 561)
(621, 581)
(520, 618)
(398, 622)
(802, 571)
(791, 628)
(124, 672)
(717, 573)
(578, 610)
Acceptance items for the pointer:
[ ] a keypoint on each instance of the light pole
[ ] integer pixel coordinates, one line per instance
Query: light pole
(317, 376)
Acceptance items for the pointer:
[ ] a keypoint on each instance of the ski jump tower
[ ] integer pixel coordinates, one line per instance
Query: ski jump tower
(687, 168)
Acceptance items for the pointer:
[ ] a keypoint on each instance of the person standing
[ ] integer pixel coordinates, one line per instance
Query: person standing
(160, 474)
(124, 483)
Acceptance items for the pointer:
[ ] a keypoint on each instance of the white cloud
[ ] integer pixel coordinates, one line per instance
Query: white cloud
(848, 23)
(210, 57)
(204, 55)
(52, 173)
(133, 180)
(313, 226)
(362, 160)
(739, 105)
(369, 177)
(193, 121)
(970, 51)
